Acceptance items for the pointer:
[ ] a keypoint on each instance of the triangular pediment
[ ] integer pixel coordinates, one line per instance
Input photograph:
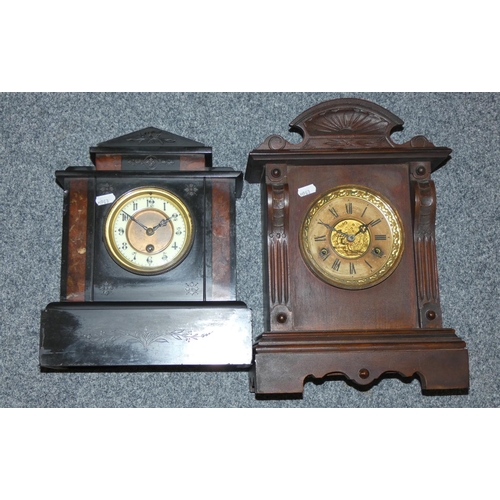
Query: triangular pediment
(150, 140)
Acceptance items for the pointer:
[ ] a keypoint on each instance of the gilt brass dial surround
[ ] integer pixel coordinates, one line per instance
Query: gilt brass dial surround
(352, 238)
(148, 231)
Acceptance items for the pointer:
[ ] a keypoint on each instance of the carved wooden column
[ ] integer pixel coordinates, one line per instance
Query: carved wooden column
(279, 312)
(425, 247)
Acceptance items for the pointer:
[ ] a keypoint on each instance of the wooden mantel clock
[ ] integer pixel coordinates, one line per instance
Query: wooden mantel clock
(351, 284)
(148, 260)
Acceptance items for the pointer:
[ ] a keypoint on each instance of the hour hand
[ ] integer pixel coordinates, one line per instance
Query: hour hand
(362, 229)
(162, 223)
(135, 220)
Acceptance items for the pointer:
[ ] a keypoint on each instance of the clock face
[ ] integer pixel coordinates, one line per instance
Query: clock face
(352, 238)
(148, 231)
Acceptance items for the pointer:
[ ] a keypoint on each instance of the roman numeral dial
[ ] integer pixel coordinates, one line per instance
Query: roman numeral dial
(148, 231)
(352, 237)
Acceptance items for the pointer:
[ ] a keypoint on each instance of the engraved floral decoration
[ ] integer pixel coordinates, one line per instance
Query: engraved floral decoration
(152, 136)
(106, 288)
(191, 190)
(105, 188)
(147, 337)
(192, 288)
(151, 162)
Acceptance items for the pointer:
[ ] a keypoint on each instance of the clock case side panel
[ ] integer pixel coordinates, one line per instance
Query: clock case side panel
(220, 213)
(77, 238)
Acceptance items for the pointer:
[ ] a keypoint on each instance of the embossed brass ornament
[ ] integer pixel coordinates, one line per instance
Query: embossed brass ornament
(352, 238)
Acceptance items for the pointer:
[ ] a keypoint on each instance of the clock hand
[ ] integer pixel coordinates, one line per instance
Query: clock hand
(162, 223)
(326, 225)
(331, 228)
(135, 220)
(362, 229)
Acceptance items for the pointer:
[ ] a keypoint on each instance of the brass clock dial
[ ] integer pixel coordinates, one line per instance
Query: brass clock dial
(148, 231)
(352, 238)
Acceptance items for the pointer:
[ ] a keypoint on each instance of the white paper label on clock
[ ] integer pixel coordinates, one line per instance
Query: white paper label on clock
(307, 190)
(105, 199)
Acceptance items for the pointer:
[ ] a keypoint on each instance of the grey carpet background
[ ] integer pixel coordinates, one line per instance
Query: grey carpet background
(41, 133)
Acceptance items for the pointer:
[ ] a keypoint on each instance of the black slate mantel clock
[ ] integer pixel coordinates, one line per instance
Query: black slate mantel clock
(351, 285)
(148, 260)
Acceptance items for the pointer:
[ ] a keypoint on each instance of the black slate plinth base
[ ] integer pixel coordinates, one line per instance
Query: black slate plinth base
(145, 334)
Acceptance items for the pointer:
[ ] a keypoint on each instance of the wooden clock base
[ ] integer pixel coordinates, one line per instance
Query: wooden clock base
(283, 361)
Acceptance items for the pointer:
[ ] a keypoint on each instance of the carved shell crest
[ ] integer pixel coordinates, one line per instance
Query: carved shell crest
(346, 122)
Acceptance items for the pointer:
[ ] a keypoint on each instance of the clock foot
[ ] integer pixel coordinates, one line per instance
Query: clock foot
(283, 361)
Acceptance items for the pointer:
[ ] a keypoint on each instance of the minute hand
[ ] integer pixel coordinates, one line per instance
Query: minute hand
(331, 228)
(136, 221)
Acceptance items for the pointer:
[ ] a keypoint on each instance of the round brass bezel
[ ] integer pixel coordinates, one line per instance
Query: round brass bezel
(114, 212)
(394, 223)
